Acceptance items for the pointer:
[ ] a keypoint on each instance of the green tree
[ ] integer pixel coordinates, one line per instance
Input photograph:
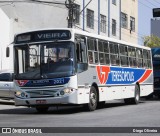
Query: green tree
(151, 41)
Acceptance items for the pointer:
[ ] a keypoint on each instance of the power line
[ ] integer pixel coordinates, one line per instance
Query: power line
(151, 3)
(144, 5)
(85, 7)
(36, 1)
(48, 2)
(157, 1)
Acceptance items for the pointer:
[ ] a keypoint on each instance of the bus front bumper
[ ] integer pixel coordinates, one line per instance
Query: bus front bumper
(70, 99)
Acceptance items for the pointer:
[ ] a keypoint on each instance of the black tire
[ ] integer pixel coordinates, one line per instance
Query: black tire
(93, 99)
(101, 104)
(42, 109)
(128, 101)
(136, 98)
(150, 96)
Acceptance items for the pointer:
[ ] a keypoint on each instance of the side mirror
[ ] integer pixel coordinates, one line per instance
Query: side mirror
(7, 52)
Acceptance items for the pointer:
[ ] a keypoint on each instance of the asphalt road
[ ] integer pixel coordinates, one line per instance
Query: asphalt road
(114, 114)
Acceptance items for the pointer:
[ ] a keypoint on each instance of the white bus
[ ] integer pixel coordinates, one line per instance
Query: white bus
(69, 66)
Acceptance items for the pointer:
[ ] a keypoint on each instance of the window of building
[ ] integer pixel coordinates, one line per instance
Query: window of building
(103, 23)
(76, 14)
(114, 2)
(132, 24)
(92, 51)
(124, 20)
(90, 18)
(113, 27)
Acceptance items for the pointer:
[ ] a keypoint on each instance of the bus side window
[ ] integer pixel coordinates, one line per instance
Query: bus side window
(114, 55)
(139, 55)
(145, 59)
(132, 57)
(123, 55)
(81, 51)
(92, 51)
(149, 59)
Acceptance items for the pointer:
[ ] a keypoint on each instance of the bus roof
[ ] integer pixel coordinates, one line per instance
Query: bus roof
(77, 31)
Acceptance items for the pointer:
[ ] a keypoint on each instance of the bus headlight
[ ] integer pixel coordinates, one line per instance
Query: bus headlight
(20, 94)
(68, 90)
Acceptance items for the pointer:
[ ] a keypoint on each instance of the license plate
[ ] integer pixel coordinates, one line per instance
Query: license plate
(41, 102)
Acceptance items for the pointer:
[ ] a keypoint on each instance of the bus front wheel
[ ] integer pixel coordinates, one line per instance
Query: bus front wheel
(93, 99)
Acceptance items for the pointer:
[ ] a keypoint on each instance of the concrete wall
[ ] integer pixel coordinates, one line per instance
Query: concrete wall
(31, 16)
(5, 63)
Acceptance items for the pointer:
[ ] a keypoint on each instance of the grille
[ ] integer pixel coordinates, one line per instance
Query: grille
(40, 92)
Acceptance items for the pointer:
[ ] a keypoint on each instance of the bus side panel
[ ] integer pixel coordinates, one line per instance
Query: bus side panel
(83, 95)
(116, 92)
(147, 86)
(146, 90)
(88, 77)
(85, 80)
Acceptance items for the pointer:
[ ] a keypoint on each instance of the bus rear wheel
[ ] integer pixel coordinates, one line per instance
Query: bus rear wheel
(93, 99)
(42, 109)
(136, 98)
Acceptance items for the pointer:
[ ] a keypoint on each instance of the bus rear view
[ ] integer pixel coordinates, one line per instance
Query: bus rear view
(156, 70)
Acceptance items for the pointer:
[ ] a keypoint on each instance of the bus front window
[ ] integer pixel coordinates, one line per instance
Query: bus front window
(47, 60)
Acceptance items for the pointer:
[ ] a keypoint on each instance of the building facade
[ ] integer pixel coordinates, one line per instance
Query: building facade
(129, 20)
(96, 16)
(100, 17)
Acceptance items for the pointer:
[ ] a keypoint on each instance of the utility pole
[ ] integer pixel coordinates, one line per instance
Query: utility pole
(71, 6)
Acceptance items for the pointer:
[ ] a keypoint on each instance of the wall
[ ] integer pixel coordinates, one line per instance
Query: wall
(31, 16)
(114, 14)
(5, 63)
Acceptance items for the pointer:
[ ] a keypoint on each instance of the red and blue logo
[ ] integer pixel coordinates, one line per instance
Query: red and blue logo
(117, 75)
(103, 72)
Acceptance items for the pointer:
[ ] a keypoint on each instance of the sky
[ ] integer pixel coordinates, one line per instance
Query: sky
(144, 17)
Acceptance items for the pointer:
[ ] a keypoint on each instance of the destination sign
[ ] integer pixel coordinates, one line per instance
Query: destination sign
(46, 35)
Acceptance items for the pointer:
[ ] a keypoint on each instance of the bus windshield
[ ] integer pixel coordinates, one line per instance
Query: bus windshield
(44, 60)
